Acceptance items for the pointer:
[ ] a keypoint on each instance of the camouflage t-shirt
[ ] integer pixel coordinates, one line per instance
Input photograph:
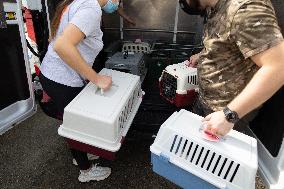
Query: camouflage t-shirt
(236, 30)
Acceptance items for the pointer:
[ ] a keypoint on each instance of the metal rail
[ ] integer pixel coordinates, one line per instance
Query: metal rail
(149, 30)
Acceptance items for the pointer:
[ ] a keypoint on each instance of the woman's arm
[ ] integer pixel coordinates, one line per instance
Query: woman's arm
(65, 47)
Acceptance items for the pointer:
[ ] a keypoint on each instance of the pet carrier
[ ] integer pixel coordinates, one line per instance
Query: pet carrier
(133, 63)
(178, 84)
(102, 120)
(180, 154)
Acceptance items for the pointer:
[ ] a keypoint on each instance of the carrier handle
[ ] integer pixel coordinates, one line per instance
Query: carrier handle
(208, 135)
(221, 138)
(119, 65)
(125, 54)
(102, 91)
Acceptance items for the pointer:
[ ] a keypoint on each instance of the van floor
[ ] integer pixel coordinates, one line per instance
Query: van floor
(33, 155)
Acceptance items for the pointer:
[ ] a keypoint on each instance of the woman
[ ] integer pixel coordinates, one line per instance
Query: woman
(76, 40)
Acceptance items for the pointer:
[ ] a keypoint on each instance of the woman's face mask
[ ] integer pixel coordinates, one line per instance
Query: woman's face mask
(193, 9)
(110, 6)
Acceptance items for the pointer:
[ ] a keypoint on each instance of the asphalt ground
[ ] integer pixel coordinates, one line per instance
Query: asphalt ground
(33, 155)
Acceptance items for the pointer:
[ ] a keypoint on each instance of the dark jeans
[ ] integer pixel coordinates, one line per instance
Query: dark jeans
(62, 95)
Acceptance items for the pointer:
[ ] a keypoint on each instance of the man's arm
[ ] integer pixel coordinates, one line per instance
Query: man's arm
(256, 32)
(267, 80)
(121, 12)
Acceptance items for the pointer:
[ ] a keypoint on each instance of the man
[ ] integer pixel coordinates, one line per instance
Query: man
(242, 63)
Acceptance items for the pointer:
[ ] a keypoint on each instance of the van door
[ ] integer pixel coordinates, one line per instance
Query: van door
(17, 100)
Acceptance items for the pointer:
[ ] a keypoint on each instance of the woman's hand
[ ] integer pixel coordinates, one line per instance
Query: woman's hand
(217, 124)
(193, 60)
(103, 82)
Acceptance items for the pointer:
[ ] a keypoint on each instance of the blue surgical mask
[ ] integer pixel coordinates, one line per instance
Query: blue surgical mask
(110, 6)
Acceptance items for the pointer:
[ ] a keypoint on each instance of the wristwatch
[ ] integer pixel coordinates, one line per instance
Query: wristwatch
(231, 116)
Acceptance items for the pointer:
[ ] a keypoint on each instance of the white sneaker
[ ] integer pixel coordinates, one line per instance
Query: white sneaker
(96, 173)
(91, 157)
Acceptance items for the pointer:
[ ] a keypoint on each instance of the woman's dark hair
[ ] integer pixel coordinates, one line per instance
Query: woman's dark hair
(57, 16)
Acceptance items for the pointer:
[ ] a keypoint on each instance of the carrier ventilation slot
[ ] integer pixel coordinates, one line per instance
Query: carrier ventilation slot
(197, 161)
(193, 80)
(224, 163)
(188, 151)
(128, 108)
(185, 143)
(228, 170)
(206, 159)
(178, 145)
(136, 48)
(235, 172)
(194, 153)
(218, 160)
(173, 144)
(212, 157)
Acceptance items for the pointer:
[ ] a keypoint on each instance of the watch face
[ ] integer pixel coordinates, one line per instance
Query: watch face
(231, 116)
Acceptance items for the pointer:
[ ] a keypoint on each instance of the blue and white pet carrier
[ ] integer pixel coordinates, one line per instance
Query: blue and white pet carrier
(180, 154)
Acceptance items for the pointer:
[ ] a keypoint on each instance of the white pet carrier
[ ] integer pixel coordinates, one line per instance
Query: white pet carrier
(133, 63)
(180, 154)
(141, 47)
(178, 84)
(271, 168)
(103, 119)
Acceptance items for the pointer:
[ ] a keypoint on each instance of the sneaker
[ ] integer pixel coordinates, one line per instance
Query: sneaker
(91, 157)
(96, 173)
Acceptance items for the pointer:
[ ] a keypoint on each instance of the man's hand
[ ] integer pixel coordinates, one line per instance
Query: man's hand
(193, 60)
(217, 124)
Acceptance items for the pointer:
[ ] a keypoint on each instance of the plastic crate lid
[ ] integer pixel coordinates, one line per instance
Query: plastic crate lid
(132, 58)
(110, 102)
(181, 70)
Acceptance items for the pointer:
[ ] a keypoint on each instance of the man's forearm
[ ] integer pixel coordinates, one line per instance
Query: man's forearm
(121, 12)
(263, 85)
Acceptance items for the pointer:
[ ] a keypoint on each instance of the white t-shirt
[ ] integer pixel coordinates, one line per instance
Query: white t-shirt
(86, 15)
